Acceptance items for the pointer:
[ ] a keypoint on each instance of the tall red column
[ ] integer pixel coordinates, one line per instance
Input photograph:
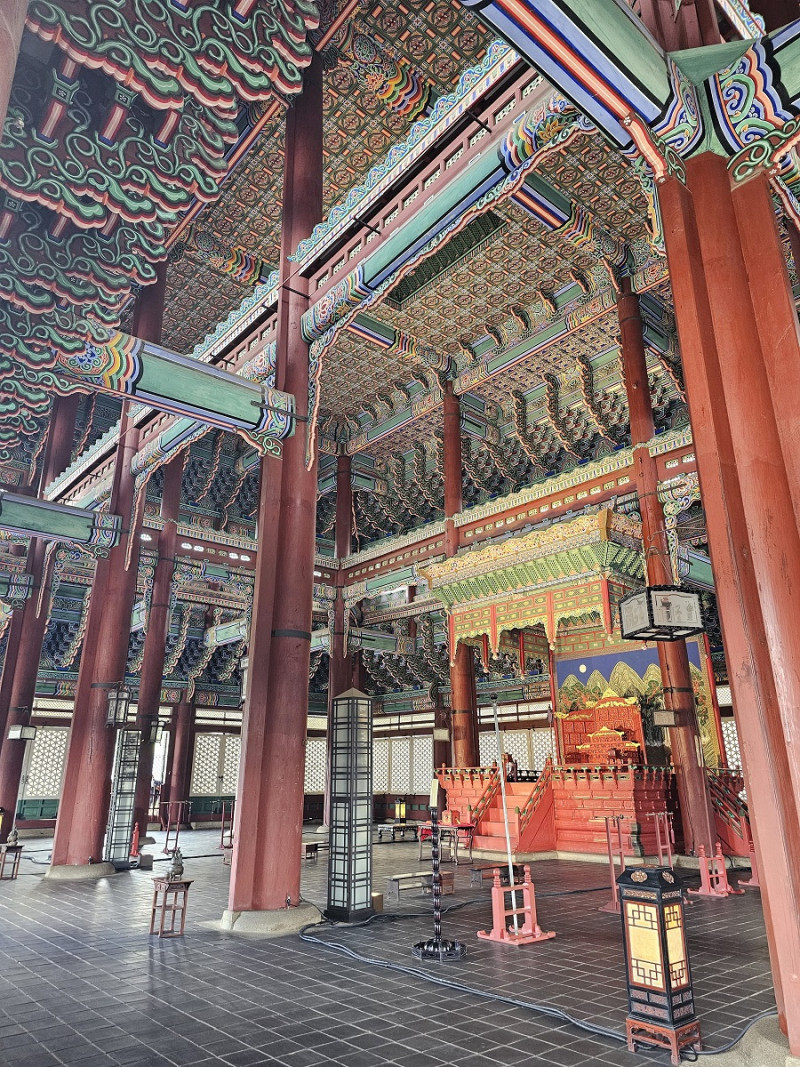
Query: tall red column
(155, 642)
(177, 781)
(696, 814)
(453, 499)
(340, 677)
(85, 795)
(753, 535)
(24, 648)
(265, 872)
(12, 23)
(463, 703)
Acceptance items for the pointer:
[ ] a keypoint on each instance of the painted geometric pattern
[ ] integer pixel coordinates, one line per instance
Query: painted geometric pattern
(316, 760)
(423, 764)
(205, 769)
(46, 766)
(380, 765)
(439, 38)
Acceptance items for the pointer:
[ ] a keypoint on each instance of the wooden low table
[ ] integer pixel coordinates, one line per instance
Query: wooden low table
(310, 851)
(10, 856)
(169, 903)
(415, 880)
(396, 828)
(453, 838)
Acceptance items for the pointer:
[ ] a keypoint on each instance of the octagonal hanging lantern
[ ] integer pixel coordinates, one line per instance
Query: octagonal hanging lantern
(661, 613)
(119, 701)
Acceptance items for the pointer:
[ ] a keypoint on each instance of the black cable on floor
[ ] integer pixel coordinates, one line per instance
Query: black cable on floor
(460, 987)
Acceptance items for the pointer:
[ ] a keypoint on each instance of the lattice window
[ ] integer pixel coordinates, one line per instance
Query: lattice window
(543, 744)
(316, 757)
(46, 766)
(231, 751)
(205, 769)
(731, 738)
(423, 765)
(400, 769)
(487, 748)
(516, 742)
(380, 765)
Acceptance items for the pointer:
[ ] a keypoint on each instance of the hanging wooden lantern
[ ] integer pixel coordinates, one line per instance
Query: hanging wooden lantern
(661, 613)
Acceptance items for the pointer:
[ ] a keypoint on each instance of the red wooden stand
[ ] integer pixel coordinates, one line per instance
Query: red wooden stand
(174, 814)
(529, 931)
(752, 882)
(714, 876)
(616, 821)
(687, 1036)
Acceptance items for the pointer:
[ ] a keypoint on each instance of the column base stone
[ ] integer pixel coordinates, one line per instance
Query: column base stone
(79, 872)
(266, 923)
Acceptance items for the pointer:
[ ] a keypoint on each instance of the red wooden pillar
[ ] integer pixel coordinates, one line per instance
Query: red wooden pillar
(12, 23)
(24, 648)
(463, 702)
(696, 814)
(85, 795)
(340, 677)
(753, 534)
(269, 812)
(152, 673)
(177, 780)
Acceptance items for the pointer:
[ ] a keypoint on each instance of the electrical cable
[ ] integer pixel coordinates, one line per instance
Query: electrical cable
(460, 987)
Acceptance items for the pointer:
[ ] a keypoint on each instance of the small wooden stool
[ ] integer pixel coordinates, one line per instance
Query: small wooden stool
(169, 900)
(9, 858)
(310, 851)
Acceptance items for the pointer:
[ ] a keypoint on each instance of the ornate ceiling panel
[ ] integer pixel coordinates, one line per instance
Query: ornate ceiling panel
(387, 44)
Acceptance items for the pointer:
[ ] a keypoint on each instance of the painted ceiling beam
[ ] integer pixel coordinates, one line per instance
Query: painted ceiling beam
(596, 52)
(128, 367)
(15, 588)
(28, 517)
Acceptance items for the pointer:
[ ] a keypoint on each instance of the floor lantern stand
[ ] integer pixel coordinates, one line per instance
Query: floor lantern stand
(350, 853)
(437, 948)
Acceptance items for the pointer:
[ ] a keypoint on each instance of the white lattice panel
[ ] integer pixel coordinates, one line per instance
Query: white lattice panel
(731, 739)
(231, 752)
(487, 748)
(400, 767)
(516, 742)
(46, 766)
(423, 765)
(380, 765)
(543, 744)
(316, 756)
(205, 769)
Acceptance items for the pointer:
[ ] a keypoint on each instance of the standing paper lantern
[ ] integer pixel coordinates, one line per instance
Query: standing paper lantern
(660, 995)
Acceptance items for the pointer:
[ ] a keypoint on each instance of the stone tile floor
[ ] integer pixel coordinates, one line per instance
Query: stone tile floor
(82, 982)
